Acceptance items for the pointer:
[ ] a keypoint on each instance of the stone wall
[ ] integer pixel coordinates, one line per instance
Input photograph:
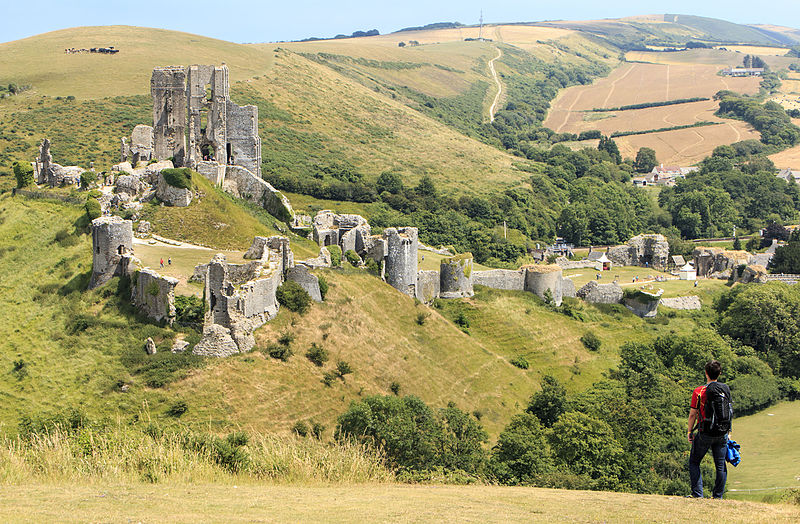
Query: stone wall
(306, 280)
(112, 237)
(242, 135)
(510, 279)
(243, 184)
(601, 293)
(692, 302)
(154, 295)
(455, 276)
(642, 250)
(568, 288)
(427, 286)
(712, 262)
(644, 306)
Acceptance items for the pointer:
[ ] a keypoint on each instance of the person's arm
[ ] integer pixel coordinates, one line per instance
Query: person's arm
(693, 414)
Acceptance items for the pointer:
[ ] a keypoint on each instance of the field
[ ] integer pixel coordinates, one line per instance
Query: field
(360, 503)
(770, 457)
(755, 50)
(636, 83)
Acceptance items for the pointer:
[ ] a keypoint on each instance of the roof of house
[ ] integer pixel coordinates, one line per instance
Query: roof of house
(687, 267)
(678, 260)
(603, 259)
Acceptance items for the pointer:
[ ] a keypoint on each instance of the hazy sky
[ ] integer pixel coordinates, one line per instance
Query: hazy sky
(253, 21)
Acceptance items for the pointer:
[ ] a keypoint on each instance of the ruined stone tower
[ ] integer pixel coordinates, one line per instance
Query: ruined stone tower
(193, 103)
(455, 274)
(401, 258)
(112, 238)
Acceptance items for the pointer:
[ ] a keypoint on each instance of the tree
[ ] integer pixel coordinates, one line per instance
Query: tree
(292, 296)
(586, 446)
(522, 452)
(462, 440)
(23, 173)
(737, 244)
(389, 181)
(608, 145)
(786, 258)
(549, 403)
(645, 160)
(774, 231)
(747, 61)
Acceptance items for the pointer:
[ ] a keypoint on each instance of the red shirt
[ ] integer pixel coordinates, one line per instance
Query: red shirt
(699, 401)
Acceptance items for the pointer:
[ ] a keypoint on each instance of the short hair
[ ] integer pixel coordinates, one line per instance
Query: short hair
(713, 369)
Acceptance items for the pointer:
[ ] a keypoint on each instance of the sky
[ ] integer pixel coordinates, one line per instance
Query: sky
(269, 21)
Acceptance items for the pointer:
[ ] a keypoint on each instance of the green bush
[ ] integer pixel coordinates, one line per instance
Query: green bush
(286, 339)
(177, 409)
(394, 387)
(591, 341)
(323, 286)
(189, 309)
(343, 368)
(279, 352)
(65, 239)
(178, 177)
(153, 289)
(317, 354)
(317, 429)
(353, 258)
(292, 296)
(23, 173)
(372, 267)
(300, 428)
(520, 362)
(336, 255)
(422, 317)
(93, 208)
(87, 179)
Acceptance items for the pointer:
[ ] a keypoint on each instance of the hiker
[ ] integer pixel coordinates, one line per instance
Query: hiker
(710, 414)
(162, 262)
(169, 261)
(695, 283)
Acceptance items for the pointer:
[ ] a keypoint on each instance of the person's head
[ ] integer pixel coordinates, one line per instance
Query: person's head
(713, 369)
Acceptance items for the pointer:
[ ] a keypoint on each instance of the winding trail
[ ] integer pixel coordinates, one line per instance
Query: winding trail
(493, 108)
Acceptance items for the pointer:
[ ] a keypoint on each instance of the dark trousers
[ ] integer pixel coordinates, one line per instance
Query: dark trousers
(700, 446)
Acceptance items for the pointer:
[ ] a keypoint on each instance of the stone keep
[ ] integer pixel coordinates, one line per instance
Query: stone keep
(641, 250)
(402, 245)
(140, 148)
(455, 274)
(168, 89)
(112, 238)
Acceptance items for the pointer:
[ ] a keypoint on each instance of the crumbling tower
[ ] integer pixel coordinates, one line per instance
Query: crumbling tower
(401, 258)
(168, 89)
(455, 277)
(112, 239)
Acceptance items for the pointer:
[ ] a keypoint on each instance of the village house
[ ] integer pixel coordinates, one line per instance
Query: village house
(663, 176)
(789, 175)
(743, 71)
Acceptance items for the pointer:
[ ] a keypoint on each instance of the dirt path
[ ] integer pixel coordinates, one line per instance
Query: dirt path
(493, 108)
(614, 85)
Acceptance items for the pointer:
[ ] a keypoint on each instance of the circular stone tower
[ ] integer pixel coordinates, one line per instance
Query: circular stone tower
(455, 276)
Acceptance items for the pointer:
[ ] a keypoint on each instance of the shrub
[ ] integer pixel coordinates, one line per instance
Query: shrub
(372, 267)
(285, 339)
(153, 289)
(23, 173)
(343, 368)
(177, 409)
(422, 316)
(300, 428)
(317, 354)
(328, 377)
(323, 286)
(88, 178)
(336, 255)
(178, 177)
(462, 320)
(317, 429)
(279, 352)
(353, 258)
(520, 362)
(65, 239)
(93, 208)
(189, 309)
(394, 387)
(591, 341)
(292, 296)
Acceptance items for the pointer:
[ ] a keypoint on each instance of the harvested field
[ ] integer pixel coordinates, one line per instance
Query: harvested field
(636, 83)
(716, 57)
(755, 50)
(687, 146)
(788, 158)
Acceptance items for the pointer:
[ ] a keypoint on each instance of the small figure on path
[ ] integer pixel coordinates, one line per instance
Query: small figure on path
(162, 262)
(169, 261)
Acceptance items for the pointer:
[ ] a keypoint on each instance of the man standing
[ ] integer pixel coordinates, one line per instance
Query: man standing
(711, 415)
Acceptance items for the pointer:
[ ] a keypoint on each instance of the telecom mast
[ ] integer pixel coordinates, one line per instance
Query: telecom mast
(480, 31)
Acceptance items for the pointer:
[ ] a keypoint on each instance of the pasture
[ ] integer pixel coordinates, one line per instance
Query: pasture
(770, 456)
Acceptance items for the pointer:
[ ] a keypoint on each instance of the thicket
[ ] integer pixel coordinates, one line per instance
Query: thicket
(769, 118)
(787, 258)
(292, 296)
(180, 177)
(702, 123)
(645, 105)
(23, 173)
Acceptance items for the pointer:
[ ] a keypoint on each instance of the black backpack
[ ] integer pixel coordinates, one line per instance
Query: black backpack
(718, 411)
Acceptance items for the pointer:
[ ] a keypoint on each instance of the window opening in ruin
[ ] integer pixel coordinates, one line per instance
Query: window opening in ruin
(206, 152)
(209, 94)
(98, 250)
(229, 151)
(203, 120)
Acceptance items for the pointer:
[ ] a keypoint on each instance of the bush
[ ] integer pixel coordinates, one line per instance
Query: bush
(343, 368)
(177, 409)
(65, 239)
(23, 173)
(353, 258)
(88, 178)
(93, 208)
(300, 428)
(462, 320)
(317, 429)
(323, 286)
(286, 339)
(328, 377)
(591, 341)
(178, 177)
(422, 317)
(317, 354)
(189, 309)
(292, 296)
(336, 255)
(372, 267)
(520, 362)
(394, 387)
(279, 352)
